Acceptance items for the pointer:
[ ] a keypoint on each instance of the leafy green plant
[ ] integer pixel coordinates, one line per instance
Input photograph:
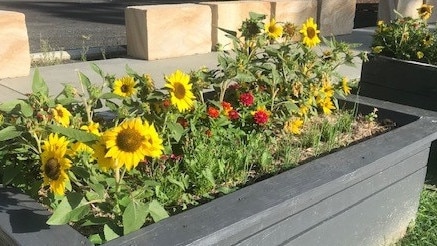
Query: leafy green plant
(407, 38)
(113, 156)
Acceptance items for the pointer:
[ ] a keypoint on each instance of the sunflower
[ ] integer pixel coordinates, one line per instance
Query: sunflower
(180, 90)
(294, 126)
(131, 141)
(93, 128)
(327, 105)
(61, 115)
(125, 87)
(345, 86)
(310, 33)
(273, 29)
(54, 163)
(425, 11)
(105, 163)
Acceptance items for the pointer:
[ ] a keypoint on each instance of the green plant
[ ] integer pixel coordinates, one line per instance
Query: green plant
(49, 56)
(113, 156)
(407, 38)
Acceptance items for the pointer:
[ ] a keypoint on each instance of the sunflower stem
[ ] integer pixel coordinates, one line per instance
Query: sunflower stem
(117, 179)
(85, 103)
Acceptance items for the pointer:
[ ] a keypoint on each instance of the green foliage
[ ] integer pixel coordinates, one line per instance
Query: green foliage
(406, 38)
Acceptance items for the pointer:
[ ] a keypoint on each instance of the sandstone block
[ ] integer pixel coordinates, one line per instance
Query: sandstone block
(336, 17)
(433, 17)
(14, 48)
(405, 7)
(230, 14)
(168, 30)
(294, 11)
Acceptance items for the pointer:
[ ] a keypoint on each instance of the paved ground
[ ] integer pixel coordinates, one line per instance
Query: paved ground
(73, 24)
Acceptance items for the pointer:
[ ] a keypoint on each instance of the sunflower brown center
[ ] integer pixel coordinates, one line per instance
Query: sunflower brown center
(52, 169)
(60, 113)
(272, 29)
(124, 88)
(129, 140)
(179, 90)
(311, 32)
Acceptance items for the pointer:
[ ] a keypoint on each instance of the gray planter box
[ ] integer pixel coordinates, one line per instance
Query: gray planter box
(404, 82)
(365, 194)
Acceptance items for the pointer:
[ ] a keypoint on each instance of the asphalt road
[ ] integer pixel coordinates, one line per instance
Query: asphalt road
(74, 24)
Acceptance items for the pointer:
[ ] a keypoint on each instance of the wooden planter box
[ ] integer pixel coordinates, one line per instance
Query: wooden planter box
(404, 82)
(366, 193)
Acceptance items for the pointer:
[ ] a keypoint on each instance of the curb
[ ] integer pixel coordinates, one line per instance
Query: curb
(93, 53)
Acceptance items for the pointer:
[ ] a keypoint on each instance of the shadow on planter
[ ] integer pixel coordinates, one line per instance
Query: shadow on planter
(366, 193)
(404, 82)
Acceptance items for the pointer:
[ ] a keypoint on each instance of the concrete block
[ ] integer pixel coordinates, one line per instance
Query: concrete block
(294, 11)
(14, 48)
(336, 17)
(433, 17)
(230, 14)
(168, 30)
(405, 7)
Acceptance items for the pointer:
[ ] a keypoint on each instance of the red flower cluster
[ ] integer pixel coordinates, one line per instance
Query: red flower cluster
(213, 112)
(233, 115)
(261, 116)
(246, 99)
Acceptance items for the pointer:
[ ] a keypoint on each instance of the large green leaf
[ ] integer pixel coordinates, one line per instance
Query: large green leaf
(157, 211)
(134, 216)
(39, 86)
(73, 207)
(81, 136)
(177, 131)
(9, 132)
(109, 233)
(17, 106)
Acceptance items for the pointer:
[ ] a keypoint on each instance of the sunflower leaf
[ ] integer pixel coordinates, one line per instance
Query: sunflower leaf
(39, 86)
(73, 207)
(134, 216)
(76, 134)
(109, 233)
(9, 132)
(177, 131)
(157, 211)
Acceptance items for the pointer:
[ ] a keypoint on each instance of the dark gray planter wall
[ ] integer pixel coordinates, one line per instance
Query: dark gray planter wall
(404, 82)
(365, 194)
(23, 222)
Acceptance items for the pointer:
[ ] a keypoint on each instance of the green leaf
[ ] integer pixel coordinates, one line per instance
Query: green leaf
(177, 131)
(39, 86)
(76, 134)
(85, 81)
(10, 172)
(97, 69)
(176, 182)
(17, 105)
(109, 233)
(96, 239)
(157, 211)
(256, 16)
(134, 216)
(9, 132)
(207, 173)
(230, 32)
(130, 71)
(73, 207)
(110, 95)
